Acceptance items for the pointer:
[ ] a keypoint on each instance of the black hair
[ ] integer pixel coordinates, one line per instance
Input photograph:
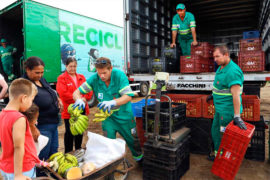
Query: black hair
(70, 60)
(33, 62)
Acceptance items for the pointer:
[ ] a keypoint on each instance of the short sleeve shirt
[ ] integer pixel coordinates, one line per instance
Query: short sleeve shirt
(183, 27)
(6, 53)
(118, 87)
(225, 78)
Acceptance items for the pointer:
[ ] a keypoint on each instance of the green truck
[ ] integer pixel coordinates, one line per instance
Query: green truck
(53, 35)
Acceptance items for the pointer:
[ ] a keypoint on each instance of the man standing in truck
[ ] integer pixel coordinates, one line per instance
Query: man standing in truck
(183, 24)
(6, 53)
(111, 87)
(227, 91)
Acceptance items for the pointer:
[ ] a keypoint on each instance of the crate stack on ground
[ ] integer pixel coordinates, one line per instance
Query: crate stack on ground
(167, 161)
(200, 60)
(251, 58)
(201, 140)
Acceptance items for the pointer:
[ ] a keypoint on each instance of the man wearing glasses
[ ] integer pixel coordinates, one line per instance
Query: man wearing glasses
(111, 87)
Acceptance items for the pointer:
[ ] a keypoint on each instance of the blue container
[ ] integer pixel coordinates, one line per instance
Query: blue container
(251, 34)
(137, 107)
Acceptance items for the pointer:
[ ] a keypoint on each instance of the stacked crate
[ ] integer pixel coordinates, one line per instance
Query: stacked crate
(251, 58)
(201, 59)
(178, 117)
(167, 161)
(201, 140)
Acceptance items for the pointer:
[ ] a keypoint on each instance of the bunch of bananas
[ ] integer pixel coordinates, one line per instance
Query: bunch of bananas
(62, 162)
(101, 116)
(78, 122)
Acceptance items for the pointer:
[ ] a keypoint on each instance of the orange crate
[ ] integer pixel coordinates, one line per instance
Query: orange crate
(193, 103)
(251, 108)
(208, 108)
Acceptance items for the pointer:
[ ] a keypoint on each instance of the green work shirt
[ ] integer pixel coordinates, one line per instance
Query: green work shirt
(225, 78)
(183, 27)
(118, 87)
(6, 53)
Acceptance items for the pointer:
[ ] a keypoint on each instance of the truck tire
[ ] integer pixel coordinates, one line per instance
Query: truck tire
(144, 88)
(93, 101)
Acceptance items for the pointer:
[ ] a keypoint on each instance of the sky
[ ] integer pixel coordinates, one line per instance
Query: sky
(110, 11)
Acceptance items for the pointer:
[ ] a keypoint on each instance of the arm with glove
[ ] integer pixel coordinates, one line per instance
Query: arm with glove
(235, 90)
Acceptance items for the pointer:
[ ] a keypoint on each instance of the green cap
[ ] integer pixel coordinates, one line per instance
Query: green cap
(180, 6)
(3, 40)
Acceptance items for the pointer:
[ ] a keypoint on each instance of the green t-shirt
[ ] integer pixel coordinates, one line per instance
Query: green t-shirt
(118, 87)
(6, 53)
(183, 27)
(230, 75)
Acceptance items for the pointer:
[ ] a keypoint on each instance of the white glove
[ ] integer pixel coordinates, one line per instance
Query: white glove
(107, 105)
(80, 103)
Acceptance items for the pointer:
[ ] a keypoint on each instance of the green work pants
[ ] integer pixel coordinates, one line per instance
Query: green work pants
(110, 127)
(185, 45)
(8, 66)
(220, 120)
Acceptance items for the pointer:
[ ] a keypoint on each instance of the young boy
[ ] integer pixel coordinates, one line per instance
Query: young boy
(19, 154)
(32, 116)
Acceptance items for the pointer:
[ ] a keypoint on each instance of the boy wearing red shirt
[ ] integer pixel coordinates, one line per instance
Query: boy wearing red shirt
(19, 155)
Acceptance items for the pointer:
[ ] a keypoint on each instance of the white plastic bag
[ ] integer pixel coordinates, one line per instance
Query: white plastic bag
(101, 150)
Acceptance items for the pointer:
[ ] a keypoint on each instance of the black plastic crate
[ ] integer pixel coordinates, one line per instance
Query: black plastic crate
(178, 117)
(256, 148)
(153, 171)
(252, 90)
(167, 156)
(169, 52)
(201, 139)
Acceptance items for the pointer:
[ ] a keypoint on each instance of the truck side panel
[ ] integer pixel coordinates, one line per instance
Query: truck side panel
(42, 38)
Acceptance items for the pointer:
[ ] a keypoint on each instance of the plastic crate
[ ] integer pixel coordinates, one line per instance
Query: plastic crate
(252, 90)
(208, 108)
(233, 145)
(169, 52)
(251, 34)
(137, 107)
(247, 45)
(201, 139)
(256, 147)
(140, 130)
(203, 49)
(178, 117)
(251, 108)
(158, 65)
(167, 156)
(252, 61)
(193, 64)
(152, 171)
(193, 103)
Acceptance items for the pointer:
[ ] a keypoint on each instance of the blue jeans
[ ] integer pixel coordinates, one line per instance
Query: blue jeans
(7, 176)
(49, 130)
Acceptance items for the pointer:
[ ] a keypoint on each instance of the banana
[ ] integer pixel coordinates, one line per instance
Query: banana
(72, 159)
(99, 119)
(78, 128)
(100, 115)
(61, 160)
(70, 109)
(83, 124)
(83, 117)
(73, 130)
(55, 155)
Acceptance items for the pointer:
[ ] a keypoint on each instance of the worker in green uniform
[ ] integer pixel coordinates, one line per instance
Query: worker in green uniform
(183, 24)
(227, 90)
(6, 53)
(111, 87)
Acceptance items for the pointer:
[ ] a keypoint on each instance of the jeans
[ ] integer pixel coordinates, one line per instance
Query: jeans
(49, 130)
(31, 174)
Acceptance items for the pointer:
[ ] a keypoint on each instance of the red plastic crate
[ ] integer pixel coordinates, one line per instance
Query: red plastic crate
(251, 61)
(251, 108)
(193, 103)
(208, 108)
(247, 45)
(140, 131)
(211, 66)
(204, 49)
(233, 145)
(193, 64)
